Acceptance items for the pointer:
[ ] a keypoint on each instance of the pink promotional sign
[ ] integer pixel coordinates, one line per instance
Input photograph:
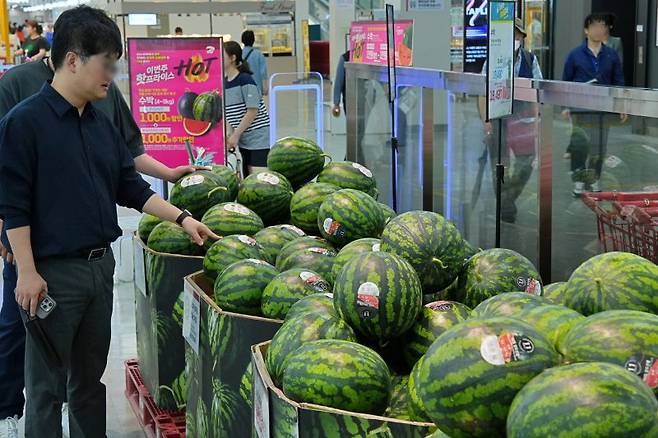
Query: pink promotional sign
(176, 95)
(368, 42)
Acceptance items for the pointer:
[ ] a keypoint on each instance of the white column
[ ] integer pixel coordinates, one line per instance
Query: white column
(301, 13)
(341, 15)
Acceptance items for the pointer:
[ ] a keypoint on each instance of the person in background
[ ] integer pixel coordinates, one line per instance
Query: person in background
(613, 42)
(594, 63)
(256, 60)
(246, 116)
(16, 85)
(35, 46)
(339, 84)
(520, 131)
(20, 34)
(178, 31)
(60, 215)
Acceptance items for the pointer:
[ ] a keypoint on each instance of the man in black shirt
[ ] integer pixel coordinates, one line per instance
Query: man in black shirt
(57, 198)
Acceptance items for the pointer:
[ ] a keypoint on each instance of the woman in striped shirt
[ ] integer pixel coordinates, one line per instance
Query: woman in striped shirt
(248, 122)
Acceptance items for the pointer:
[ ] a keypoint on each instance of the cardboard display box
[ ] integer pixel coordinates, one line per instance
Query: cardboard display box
(160, 344)
(277, 416)
(217, 355)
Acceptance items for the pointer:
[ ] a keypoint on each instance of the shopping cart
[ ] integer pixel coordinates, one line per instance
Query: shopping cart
(626, 221)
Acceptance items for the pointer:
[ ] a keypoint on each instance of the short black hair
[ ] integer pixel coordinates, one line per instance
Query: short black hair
(248, 38)
(596, 17)
(178, 30)
(86, 31)
(610, 19)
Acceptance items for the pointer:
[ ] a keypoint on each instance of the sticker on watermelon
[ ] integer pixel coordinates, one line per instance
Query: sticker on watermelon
(333, 228)
(364, 170)
(529, 285)
(646, 368)
(268, 178)
(192, 180)
(323, 251)
(237, 208)
(314, 281)
(294, 229)
(367, 300)
(256, 262)
(376, 247)
(440, 306)
(247, 240)
(506, 348)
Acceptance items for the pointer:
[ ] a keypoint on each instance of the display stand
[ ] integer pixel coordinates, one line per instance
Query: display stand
(392, 89)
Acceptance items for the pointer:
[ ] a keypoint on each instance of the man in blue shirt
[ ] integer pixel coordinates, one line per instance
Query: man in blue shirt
(58, 196)
(256, 61)
(595, 63)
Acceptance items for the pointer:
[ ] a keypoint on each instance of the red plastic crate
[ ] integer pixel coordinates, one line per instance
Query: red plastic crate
(156, 422)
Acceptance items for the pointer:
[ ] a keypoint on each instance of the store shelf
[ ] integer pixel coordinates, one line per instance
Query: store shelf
(157, 423)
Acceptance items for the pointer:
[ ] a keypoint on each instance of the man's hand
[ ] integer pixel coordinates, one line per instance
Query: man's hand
(336, 110)
(30, 289)
(232, 141)
(197, 231)
(178, 172)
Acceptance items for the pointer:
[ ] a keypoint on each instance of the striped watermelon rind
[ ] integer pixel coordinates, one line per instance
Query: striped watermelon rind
(379, 295)
(305, 204)
(349, 175)
(297, 245)
(582, 400)
(240, 287)
(298, 331)
(287, 288)
(170, 238)
(553, 321)
(508, 304)
(268, 194)
(298, 159)
(320, 303)
(416, 409)
(472, 372)
(227, 178)
(348, 215)
(613, 281)
(199, 191)
(230, 249)
(434, 320)
(495, 271)
(628, 338)
(274, 238)
(555, 292)
(432, 245)
(352, 376)
(231, 218)
(146, 225)
(316, 259)
(352, 249)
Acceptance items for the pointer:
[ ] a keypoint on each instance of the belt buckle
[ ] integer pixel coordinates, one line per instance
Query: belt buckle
(96, 254)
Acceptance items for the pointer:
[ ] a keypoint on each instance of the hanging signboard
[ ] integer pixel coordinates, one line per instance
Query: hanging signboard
(368, 42)
(500, 59)
(475, 35)
(176, 96)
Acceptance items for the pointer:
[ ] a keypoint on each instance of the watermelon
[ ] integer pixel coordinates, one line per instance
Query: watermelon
(584, 400)
(305, 204)
(240, 287)
(508, 304)
(169, 238)
(438, 434)
(379, 295)
(339, 374)
(471, 373)
(613, 281)
(268, 194)
(349, 175)
(316, 259)
(553, 321)
(186, 104)
(289, 287)
(434, 319)
(495, 271)
(432, 245)
(197, 192)
(628, 338)
(416, 408)
(352, 249)
(387, 212)
(299, 244)
(226, 177)
(555, 292)
(196, 128)
(348, 215)
(232, 218)
(146, 225)
(296, 332)
(208, 107)
(274, 238)
(230, 249)
(321, 303)
(247, 385)
(297, 159)
(399, 405)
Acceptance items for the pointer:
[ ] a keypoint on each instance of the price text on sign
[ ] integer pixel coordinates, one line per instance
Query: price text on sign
(500, 59)
(191, 317)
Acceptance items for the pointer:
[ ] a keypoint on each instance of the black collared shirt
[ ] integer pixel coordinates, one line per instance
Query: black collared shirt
(62, 174)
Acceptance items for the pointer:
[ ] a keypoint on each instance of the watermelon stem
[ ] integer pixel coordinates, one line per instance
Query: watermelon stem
(210, 193)
(327, 156)
(435, 260)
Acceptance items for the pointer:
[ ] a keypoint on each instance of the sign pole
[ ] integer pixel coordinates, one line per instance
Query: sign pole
(500, 84)
(392, 88)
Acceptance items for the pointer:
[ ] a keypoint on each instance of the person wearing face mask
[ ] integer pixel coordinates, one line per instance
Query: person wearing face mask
(520, 129)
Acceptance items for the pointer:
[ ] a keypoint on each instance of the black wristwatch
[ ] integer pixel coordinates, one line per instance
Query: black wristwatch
(184, 215)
